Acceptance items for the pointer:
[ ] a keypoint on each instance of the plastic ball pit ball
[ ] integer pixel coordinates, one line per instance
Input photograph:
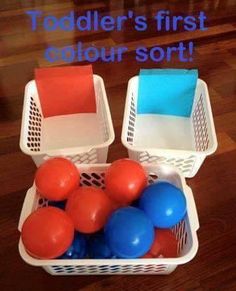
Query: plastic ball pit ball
(164, 245)
(164, 204)
(78, 248)
(89, 208)
(129, 233)
(47, 233)
(98, 248)
(56, 179)
(125, 180)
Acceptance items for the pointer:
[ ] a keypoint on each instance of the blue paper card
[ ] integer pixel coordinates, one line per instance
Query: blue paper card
(166, 91)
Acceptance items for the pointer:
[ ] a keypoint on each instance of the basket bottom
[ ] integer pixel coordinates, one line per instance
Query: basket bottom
(164, 132)
(71, 130)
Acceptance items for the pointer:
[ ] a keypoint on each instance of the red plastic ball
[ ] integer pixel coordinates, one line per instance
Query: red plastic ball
(147, 256)
(164, 245)
(56, 179)
(47, 233)
(125, 180)
(89, 208)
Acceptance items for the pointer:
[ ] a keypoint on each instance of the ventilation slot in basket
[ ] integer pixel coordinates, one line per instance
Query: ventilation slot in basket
(92, 179)
(42, 202)
(107, 269)
(131, 125)
(200, 126)
(181, 235)
(34, 127)
(84, 158)
(102, 115)
(152, 177)
(185, 165)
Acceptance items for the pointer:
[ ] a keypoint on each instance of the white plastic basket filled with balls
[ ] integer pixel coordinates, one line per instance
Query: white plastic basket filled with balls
(123, 218)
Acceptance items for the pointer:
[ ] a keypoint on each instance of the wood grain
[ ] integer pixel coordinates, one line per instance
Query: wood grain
(21, 50)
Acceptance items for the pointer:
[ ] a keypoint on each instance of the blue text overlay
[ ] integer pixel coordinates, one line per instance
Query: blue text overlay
(93, 21)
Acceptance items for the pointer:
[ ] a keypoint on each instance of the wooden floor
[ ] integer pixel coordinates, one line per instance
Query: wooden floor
(214, 186)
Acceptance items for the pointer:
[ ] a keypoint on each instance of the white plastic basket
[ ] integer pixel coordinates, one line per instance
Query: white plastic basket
(83, 137)
(179, 141)
(93, 175)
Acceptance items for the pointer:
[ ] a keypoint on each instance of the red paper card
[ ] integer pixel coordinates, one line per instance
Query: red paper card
(66, 90)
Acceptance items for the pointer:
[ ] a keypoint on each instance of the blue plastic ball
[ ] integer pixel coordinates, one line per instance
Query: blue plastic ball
(98, 248)
(78, 248)
(164, 204)
(58, 204)
(129, 232)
